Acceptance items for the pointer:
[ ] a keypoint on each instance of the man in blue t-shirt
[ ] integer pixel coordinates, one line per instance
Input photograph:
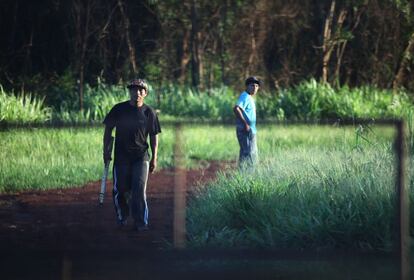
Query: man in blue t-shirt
(245, 111)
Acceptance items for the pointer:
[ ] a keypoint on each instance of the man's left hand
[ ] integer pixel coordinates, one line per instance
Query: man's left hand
(153, 165)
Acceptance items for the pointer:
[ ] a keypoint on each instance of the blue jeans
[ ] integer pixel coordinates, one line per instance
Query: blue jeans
(129, 193)
(248, 155)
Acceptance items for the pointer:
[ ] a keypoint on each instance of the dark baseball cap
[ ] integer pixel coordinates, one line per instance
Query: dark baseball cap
(138, 83)
(252, 80)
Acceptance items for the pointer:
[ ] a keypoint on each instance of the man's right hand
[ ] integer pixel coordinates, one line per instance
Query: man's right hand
(247, 127)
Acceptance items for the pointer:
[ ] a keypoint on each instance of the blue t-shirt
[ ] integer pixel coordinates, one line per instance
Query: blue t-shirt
(246, 103)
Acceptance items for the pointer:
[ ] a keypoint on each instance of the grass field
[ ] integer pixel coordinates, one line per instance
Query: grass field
(42, 158)
(317, 187)
(306, 200)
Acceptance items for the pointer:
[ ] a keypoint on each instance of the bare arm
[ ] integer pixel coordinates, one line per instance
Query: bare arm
(154, 150)
(239, 114)
(106, 144)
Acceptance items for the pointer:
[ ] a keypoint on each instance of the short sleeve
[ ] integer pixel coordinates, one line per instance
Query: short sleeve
(242, 102)
(110, 119)
(154, 124)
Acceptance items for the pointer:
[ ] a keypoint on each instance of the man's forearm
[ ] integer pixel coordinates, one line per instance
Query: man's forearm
(239, 114)
(107, 143)
(154, 146)
(107, 138)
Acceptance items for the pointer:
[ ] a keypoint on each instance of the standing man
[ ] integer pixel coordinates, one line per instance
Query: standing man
(134, 122)
(245, 111)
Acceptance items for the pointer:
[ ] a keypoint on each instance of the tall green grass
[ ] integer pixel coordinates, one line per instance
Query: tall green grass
(313, 100)
(302, 198)
(307, 100)
(180, 102)
(98, 101)
(215, 104)
(23, 108)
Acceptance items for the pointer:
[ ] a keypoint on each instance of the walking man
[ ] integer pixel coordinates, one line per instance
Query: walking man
(134, 122)
(245, 111)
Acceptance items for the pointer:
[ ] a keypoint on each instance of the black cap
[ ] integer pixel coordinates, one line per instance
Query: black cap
(252, 80)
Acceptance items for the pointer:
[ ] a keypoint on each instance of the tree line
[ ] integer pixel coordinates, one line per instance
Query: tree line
(205, 44)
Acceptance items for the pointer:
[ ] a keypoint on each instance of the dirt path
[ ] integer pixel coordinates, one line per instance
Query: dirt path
(69, 219)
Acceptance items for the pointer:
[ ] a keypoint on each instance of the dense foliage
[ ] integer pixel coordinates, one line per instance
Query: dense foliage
(312, 100)
(204, 43)
(308, 100)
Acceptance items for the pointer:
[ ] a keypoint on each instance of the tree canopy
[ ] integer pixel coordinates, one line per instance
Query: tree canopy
(207, 43)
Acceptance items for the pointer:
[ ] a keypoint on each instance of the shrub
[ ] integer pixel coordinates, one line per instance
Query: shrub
(23, 108)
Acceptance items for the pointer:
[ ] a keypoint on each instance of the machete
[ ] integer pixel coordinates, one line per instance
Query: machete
(105, 173)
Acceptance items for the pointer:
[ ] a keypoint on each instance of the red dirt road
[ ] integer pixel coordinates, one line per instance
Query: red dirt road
(70, 219)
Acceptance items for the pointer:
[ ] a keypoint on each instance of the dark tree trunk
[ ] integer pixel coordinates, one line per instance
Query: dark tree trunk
(195, 55)
(27, 66)
(81, 82)
(341, 46)
(185, 56)
(222, 44)
(405, 61)
(327, 46)
(82, 17)
(131, 48)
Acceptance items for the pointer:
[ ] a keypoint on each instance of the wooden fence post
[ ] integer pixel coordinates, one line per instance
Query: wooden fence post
(179, 190)
(403, 223)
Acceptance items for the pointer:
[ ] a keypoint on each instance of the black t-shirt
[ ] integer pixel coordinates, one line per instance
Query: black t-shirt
(133, 125)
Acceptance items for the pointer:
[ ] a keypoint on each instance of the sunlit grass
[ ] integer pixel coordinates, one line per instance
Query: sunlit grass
(22, 108)
(52, 158)
(318, 198)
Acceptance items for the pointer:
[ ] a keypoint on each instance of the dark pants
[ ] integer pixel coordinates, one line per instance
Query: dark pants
(248, 148)
(129, 193)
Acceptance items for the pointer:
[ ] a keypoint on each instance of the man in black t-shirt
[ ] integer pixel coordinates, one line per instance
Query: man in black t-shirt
(134, 122)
